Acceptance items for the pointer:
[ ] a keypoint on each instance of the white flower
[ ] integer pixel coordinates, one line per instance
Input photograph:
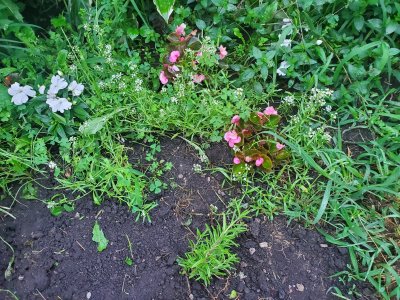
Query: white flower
(57, 83)
(282, 68)
(286, 22)
(41, 89)
(76, 88)
(286, 43)
(20, 94)
(52, 165)
(58, 104)
(318, 42)
(73, 68)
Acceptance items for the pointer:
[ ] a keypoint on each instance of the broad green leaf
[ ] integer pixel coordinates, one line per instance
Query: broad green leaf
(99, 238)
(257, 53)
(267, 164)
(201, 24)
(359, 23)
(239, 169)
(13, 9)
(248, 74)
(164, 8)
(93, 126)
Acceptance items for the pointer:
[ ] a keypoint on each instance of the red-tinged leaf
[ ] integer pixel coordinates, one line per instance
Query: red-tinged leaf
(272, 121)
(282, 154)
(267, 164)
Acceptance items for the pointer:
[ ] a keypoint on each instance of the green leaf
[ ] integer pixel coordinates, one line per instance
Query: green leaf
(13, 8)
(99, 238)
(359, 23)
(201, 24)
(375, 23)
(267, 164)
(324, 202)
(164, 8)
(257, 53)
(391, 27)
(93, 126)
(247, 74)
(239, 170)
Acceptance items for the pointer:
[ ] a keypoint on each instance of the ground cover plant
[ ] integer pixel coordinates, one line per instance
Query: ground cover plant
(300, 97)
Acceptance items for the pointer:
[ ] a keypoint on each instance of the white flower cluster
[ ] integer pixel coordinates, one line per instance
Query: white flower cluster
(197, 168)
(238, 93)
(20, 94)
(320, 96)
(58, 83)
(288, 100)
(107, 53)
(138, 85)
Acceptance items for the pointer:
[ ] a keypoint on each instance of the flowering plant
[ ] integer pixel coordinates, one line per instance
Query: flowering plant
(252, 147)
(53, 107)
(188, 51)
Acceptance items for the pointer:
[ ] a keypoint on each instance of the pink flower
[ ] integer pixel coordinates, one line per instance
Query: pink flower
(199, 54)
(198, 78)
(248, 159)
(236, 160)
(222, 52)
(173, 69)
(180, 30)
(260, 114)
(270, 110)
(280, 146)
(235, 120)
(259, 161)
(232, 138)
(163, 78)
(173, 57)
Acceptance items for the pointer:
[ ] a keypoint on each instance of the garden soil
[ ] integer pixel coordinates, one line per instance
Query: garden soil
(55, 257)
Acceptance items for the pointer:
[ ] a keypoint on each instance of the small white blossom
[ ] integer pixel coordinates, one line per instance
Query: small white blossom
(20, 94)
(286, 22)
(76, 88)
(73, 68)
(289, 100)
(57, 83)
(174, 100)
(197, 168)
(58, 104)
(286, 43)
(52, 165)
(41, 89)
(281, 71)
(318, 42)
(328, 108)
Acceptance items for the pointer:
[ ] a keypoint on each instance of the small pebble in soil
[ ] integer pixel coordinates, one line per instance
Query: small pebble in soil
(264, 245)
(299, 287)
(252, 250)
(88, 295)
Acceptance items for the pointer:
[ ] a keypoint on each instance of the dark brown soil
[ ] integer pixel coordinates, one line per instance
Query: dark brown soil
(57, 259)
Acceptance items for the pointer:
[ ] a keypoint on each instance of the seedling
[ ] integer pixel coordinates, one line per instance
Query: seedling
(99, 238)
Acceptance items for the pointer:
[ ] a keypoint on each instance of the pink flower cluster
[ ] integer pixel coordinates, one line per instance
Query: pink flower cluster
(233, 138)
(175, 55)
